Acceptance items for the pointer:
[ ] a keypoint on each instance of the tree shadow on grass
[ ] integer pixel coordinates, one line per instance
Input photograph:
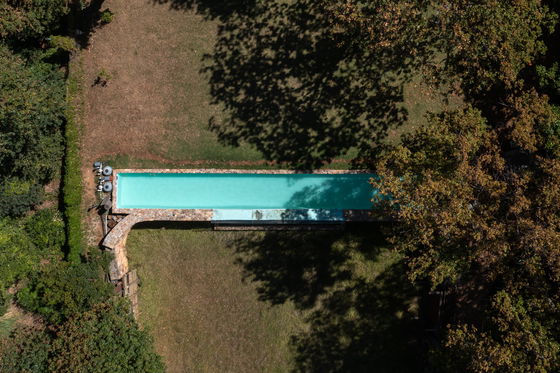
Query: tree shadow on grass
(295, 267)
(367, 326)
(300, 266)
(303, 82)
(211, 9)
(356, 324)
(86, 20)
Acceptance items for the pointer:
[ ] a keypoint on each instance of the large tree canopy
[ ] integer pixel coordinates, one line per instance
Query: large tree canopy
(488, 227)
(31, 117)
(24, 19)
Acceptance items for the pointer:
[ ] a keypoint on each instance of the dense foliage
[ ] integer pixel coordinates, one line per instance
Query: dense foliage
(23, 245)
(72, 181)
(474, 191)
(476, 194)
(31, 118)
(104, 339)
(18, 196)
(62, 289)
(62, 298)
(21, 20)
(26, 350)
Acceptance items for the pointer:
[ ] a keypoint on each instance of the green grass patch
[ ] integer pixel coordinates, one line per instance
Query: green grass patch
(126, 161)
(7, 324)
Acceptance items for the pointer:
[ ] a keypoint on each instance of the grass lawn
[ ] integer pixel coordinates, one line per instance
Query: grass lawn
(220, 301)
(204, 317)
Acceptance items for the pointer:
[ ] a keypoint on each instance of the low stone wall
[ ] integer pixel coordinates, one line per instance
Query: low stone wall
(116, 238)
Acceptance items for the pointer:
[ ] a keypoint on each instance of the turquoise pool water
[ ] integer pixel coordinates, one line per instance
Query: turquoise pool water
(244, 191)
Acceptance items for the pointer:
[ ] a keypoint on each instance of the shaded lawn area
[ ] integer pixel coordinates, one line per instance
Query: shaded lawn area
(157, 105)
(274, 301)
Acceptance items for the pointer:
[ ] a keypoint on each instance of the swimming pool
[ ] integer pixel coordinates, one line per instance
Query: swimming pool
(244, 191)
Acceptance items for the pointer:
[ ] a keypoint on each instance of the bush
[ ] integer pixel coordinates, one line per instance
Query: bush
(45, 229)
(18, 256)
(18, 196)
(64, 43)
(104, 339)
(106, 17)
(72, 180)
(5, 300)
(25, 350)
(61, 290)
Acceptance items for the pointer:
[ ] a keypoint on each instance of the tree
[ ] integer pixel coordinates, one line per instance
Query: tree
(104, 339)
(487, 44)
(31, 117)
(25, 19)
(487, 227)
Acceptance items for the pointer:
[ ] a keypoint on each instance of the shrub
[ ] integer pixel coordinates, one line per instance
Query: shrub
(64, 43)
(45, 229)
(61, 290)
(18, 256)
(5, 300)
(25, 350)
(106, 17)
(18, 196)
(72, 179)
(102, 78)
(104, 339)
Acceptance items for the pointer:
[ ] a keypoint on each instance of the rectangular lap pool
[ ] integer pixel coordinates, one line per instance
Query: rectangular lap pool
(246, 195)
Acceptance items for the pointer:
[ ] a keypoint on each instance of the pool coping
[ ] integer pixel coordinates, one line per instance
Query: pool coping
(115, 240)
(351, 214)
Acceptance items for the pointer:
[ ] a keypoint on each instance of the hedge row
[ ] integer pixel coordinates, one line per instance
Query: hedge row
(72, 182)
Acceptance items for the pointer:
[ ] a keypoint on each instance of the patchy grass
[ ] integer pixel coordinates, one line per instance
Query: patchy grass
(203, 316)
(7, 324)
(14, 317)
(234, 301)
(157, 104)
